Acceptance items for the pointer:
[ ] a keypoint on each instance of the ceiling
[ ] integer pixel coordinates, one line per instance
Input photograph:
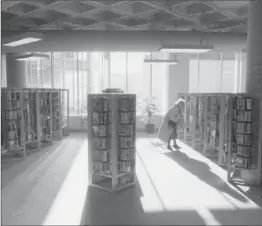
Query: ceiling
(158, 15)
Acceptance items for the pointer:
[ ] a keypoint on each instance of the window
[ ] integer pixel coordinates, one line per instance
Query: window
(216, 73)
(159, 83)
(82, 73)
(138, 76)
(118, 70)
(3, 71)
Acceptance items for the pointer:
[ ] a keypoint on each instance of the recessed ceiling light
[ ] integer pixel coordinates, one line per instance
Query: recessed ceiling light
(23, 41)
(32, 56)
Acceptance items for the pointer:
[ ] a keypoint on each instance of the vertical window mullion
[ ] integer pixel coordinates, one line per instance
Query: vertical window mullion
(109, 69)
(73, 74)
(41, 73)
(52, 71)
(126, 72)
(198, 73)
(221, 71)
(150, 81)
(63, 72)
(82, 82)
(102, 80)
(77, 77)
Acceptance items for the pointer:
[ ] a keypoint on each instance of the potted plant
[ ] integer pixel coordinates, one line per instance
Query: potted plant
(148, 111)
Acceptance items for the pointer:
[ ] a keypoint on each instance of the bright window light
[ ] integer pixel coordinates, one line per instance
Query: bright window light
(22, 42)
(160, 61)
(186, 48)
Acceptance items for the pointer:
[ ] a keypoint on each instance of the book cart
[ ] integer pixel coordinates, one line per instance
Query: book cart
(112, 141)
(27, 120)
(12, 124)
(244, 139)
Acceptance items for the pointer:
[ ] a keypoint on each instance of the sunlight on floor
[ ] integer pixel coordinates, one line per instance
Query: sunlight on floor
(186, 182)
(68, 206)
(175, 188)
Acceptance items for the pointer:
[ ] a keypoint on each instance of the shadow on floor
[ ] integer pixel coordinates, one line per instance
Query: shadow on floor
(203, 172)
(238, 216)
(125, 208)
(30, 186)
(253, 193)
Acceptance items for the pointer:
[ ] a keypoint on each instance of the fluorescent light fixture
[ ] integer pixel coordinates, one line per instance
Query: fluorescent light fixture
(32, 56)
(22, 41)
(186, 48)
(152, 61)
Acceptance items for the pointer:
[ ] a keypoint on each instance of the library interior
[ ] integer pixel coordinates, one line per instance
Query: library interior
(131, 112)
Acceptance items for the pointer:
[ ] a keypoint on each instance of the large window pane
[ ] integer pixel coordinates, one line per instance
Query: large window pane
(95, 73)
(3, 71)
(138, 79)
(118, 70)
(46, 72)
(159, 83)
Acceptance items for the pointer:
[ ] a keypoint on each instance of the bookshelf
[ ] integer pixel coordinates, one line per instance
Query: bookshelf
(244, 139)
(205, 124)
(31, 117)
(12, 132)
(112, 139)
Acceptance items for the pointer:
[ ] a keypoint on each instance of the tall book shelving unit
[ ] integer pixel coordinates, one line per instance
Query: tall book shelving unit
(205, 115)
(31, 113)
(12, 124)
(112, 141)
(244, 139)
(30, 116)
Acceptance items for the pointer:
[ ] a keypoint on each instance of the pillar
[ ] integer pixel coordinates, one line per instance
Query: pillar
(15, 72)
(254, 48)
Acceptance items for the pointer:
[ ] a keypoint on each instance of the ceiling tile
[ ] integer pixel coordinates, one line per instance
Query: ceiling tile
(192, 9)
(179, 23)
(38, 21)
(213, 17)
(131, 22)
(101, 26)
(49, 15)
(82, 21)
(75, 7)
(8, 4)
(162, 16)
(5, 16)
(46, 2)
(242, 29)
(21, 8)
(241, 11)
(136, 8)
(225, 23)
(105, 16)
(230, 4)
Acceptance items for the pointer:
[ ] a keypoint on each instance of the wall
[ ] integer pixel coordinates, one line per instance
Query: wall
(178, 78)
(59, 41)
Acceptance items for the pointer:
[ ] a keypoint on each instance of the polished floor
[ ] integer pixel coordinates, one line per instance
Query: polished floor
(50, 187)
